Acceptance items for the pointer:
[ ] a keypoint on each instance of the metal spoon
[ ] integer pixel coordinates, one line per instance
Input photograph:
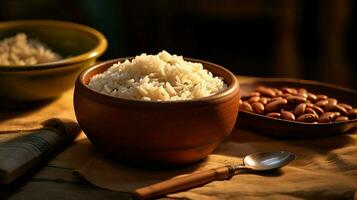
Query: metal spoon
(262, 161)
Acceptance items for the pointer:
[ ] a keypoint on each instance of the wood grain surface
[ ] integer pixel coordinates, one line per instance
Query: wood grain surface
(54, 180)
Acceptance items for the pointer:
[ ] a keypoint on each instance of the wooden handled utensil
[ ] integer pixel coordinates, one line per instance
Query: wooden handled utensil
(257, 162)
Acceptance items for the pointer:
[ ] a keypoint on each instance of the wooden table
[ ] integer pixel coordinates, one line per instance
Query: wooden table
(55, 179)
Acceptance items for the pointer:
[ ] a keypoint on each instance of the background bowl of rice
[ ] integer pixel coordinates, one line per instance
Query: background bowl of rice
(162, 133)
(78, 45)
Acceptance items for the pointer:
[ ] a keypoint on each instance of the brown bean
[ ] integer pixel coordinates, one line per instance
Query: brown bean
(273, 114)
(308, 117)
(246, 107)
(289, 90)
(302, 95)
(310, 105)
(352, 114)
(346, 106)
(277, 92)
(328, 117)
(253, 94)
(285, 95)
(264, 100)
(258, 107)
(310, 110)
(318, 110)
(331, 104)
(286, 90)
(311, 97)
(275, 105)
(341, 119)
(288, 115)
(294, 91)
(275, 98)
(321, 97)
(332, 101)
(337, 114)
(340, 109)
(265, 91)
(302, 91)
(300, 109)
(295, 99)
(253, 99)
(322, 103)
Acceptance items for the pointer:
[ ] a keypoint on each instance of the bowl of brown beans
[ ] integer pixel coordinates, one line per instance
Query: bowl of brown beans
(297, 109)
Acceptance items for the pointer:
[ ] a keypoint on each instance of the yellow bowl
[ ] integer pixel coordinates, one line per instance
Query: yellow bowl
(79, 45)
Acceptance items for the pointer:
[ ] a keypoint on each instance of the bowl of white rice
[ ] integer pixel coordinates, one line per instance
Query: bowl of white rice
(162, 109)
(40, 59)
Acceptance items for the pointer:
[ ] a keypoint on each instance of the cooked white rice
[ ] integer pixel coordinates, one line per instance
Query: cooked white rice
(161, 77)
(18, 50)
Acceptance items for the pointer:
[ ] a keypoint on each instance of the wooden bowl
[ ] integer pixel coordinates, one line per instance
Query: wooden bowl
(167, 133)
(283, 129)
(78, 44)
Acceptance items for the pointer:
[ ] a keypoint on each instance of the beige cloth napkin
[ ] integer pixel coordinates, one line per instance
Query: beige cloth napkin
(325, 169)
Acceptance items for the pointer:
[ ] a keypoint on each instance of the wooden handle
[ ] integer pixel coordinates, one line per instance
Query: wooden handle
(182, 183)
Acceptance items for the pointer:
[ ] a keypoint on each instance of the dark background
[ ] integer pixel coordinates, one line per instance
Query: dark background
(269, 38)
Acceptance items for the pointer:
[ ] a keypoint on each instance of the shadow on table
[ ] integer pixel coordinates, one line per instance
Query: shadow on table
(270, 173)
(15, 110)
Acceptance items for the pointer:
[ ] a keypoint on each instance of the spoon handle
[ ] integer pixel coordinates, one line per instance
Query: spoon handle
(182, 183)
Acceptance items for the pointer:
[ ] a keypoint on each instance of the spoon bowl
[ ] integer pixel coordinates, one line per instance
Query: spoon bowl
(267, 160)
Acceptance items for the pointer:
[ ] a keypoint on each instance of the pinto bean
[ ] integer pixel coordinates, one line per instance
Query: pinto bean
(276, 105)
(328, 117)
(302, 91)
(253, 99)
(318, 110)
(346, 106)
(258, 107)
(288, 115)
(341, 119)
(289, 90)
(340, 109)
(265, 91)
(310, 110)
(311, 97)
(322, 103)
(274, 115)
(246, 107)
(277, 92)
(308, 117)
(300, 109)
(321, 97)
(295, 99)
(264, 100)
(331, 104)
